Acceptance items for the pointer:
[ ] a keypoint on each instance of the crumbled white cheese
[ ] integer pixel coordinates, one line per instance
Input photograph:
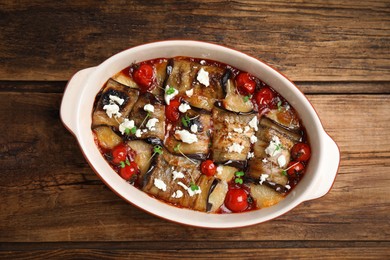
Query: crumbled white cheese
(170, 96)
(246, 129)
(177, 175)
(194, 128)
(274, 147)
(253, 123)
(186, 136)
(235, 147)
(138, 133)
(177, 194)
(264, 160)
(189, 190)
(144, 130)
(250, 155)
(219, 170)
(237, 130)
(253, 139)
(149, 108)
(287, 186)
(151, 124)
(203, 62)
(112, 109)
(282, 160)
(203, 77)
(126, 124)
(160, 184)
(190, 92)
(116, 99)
(263, 178)
(184, 107)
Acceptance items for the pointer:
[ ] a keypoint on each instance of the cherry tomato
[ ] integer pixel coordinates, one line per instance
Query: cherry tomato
(264, 97)
(144, 76)
(236, 200)
(129, 170)
(208, 168)
(245, 84)
(300, 152)
(119, 154)
(172, 110)
(294, 168)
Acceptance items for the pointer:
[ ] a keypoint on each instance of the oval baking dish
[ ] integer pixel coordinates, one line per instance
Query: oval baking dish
(78, 102)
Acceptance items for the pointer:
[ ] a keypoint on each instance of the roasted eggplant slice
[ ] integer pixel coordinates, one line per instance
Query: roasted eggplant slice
(123, 77)
(182, 75)
(106, 137)
(231, 136)
(234, 101)
(265, 196)
(206, 184)
(149, 124)
(142, 153)
(286, 117)
(113, 88)
(225, 173)
(217, 195)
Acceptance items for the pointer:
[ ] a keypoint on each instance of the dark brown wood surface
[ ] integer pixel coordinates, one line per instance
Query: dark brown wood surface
(52, 205)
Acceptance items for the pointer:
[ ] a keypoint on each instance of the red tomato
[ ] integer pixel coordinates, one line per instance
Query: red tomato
(119, 154)
(172, 110)
(264, 97)
(300, 152)
(144, 76)
(208, 168)
(294, 168)
(236, 200)
(129, 170)
(245, 84)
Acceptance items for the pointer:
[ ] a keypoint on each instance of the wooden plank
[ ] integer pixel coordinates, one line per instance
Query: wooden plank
(49, 193)
(316, 41)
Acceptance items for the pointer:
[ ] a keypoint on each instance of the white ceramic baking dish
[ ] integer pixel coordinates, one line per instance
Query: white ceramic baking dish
(76, 110)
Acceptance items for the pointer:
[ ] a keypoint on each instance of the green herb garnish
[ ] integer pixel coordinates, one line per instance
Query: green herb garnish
(246, 98)
(122, 164)
(127, 131)
(284, 172)
(128, 162)
(194, 187)
(170, 91)
(239, 174)
(177, 148)
(279, 105)
(133, 130)
(238, 178)
(185, 120)
(157, 149)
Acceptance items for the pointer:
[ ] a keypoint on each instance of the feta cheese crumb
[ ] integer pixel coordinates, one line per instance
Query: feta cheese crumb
(235, 147)
(287, 186)
(282, 160)
(177, 175)
(177, 194)
(264, 160)
(219, 170)
(203, 77)
(138, 133)
(203, 62)
(112, 109)
(116, 99)
(246, 129)
(250, 155)
(190, 92)
(184, 107)
(160, 184)
(253, 139)
(194, 128)
(273, 147)
(186, 136)
(149, 108)
(126, 124)
(151, 124)
(263, 178)
(189, 190)
(253, 123)
(237, 130)
(168, 97)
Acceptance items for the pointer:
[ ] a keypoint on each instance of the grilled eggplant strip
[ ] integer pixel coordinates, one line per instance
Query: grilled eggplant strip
(140, 116)
(142, 155)
(125, 79)
(182, 75)
(106, 137)
(206, 184)
(130, 96)
(226, 135)
(265, 196)
(234, 101)
(217, 195)
(162, 169)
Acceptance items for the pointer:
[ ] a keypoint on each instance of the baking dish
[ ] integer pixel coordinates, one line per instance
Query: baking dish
(77, 106)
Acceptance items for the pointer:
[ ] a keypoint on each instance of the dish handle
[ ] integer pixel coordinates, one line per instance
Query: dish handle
(328, 169)
(70, 97)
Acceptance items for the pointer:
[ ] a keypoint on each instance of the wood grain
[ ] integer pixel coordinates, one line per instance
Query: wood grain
(308, 41)
(59, 198)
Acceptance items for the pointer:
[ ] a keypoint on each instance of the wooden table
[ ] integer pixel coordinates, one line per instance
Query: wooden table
(52, 205)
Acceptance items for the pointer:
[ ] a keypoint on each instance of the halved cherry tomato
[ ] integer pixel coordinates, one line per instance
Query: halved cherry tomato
(295, 168)
(264, 97)
(119, 154)
(172, 110)
(144, 76)
(208, 168)
(236, 200)
(128, 171)
(300, 152)
(245, 84)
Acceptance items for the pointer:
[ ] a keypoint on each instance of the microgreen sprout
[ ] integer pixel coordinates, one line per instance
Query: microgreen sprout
(193, 186)
(124, 163)
(238, 178)
(170, 91)
(177, 149)
(131, 130)
(246, 98)
(157, 149)
(185, 120)
(284, 172)
(146, 117)
(280, 105)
